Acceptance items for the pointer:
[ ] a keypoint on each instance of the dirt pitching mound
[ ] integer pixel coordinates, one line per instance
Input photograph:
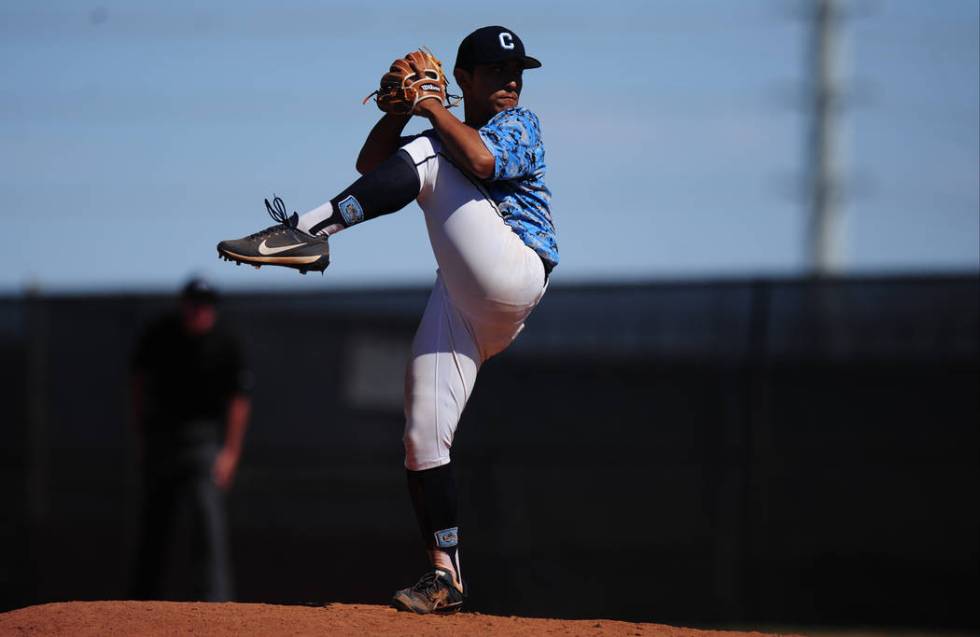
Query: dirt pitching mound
(81, 619)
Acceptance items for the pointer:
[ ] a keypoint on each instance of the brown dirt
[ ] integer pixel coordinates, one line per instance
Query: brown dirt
(80, 619)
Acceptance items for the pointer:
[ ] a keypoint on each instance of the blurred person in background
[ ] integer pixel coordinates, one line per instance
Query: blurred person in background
(191, 407)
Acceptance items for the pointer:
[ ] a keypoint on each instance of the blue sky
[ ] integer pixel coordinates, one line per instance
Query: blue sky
(136, 135)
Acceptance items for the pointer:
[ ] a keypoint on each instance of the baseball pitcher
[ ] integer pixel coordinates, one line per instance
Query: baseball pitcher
(480, 184)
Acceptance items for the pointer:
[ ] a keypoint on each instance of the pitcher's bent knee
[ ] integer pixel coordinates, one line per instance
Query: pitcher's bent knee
(421, 450)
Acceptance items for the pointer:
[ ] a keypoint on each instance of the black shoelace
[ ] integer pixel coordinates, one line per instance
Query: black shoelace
(276, 210)
(428, 584)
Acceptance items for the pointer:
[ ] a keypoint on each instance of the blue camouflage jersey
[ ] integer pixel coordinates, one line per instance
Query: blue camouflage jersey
(513, 137)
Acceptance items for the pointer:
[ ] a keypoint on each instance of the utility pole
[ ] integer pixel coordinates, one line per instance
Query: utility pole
(824, 223)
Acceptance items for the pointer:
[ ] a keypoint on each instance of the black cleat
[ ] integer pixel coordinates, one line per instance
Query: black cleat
(282, 244)
(434, 593)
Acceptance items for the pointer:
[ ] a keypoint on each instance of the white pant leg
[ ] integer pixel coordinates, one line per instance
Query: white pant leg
(489, 282)
(438, 381)
(491, 276)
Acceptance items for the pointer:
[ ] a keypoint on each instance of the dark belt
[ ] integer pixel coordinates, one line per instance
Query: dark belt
(547, 268)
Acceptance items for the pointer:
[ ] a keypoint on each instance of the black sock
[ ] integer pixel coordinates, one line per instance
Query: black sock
(388, 188)
(434, 498)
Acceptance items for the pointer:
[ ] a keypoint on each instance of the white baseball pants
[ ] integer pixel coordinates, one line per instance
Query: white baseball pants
(487, 284)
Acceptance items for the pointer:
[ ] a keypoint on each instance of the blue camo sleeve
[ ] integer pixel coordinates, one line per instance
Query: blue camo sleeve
(513, 140)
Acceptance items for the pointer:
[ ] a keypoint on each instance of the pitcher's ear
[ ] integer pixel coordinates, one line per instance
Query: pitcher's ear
(463, 78)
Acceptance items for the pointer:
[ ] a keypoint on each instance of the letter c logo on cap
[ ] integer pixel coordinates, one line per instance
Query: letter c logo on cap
(506, 40)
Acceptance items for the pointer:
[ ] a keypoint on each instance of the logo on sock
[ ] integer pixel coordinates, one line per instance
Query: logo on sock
(447, 538)
(350, 210)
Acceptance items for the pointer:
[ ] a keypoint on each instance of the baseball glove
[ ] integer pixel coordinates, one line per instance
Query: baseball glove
(417, 76)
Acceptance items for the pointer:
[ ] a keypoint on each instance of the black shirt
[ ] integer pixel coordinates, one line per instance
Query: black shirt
(187, 377)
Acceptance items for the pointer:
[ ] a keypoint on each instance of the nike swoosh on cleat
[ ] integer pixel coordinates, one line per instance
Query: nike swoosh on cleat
(266, 250)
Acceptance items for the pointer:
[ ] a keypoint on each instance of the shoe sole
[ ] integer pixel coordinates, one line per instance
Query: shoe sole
(446, 610)
(303, 264)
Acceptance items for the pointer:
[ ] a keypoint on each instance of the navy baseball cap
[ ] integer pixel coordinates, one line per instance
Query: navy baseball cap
(490, 45)
(198, 290)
